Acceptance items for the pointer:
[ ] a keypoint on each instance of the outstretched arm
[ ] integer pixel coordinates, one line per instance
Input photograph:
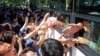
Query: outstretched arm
(68, 42)
(72, 28)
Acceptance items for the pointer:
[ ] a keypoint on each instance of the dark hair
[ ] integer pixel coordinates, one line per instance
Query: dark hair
(28, 30)
(52, 47)
(51, 13)
(8, 35)
(16, 28)
(2, 19)
(32, 17)
(6, 27)
(13, 16)
(60, 18)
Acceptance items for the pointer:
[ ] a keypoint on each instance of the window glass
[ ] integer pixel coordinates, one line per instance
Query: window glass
(66, 20)
(93, 35)
(91, 7)
(64, 5)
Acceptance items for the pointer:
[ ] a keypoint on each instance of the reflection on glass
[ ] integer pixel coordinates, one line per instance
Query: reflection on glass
(88, 7)
(93, 36)
(64, 5)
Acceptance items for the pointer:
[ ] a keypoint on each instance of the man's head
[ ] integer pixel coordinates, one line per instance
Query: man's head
(52, 47)
(7, 50)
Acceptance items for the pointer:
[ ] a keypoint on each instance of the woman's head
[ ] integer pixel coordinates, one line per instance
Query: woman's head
(10, 37)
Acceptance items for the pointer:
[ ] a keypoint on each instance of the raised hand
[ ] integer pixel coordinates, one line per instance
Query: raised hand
(26, 20)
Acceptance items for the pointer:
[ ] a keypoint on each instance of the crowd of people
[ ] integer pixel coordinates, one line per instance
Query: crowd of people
(23, 33)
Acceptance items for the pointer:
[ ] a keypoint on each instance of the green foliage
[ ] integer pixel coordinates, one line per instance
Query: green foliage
(13, 2)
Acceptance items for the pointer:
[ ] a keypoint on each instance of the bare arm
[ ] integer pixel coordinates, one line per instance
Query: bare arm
(32, 33)
(45, 18)
(25, 24)
(42, 34)
(69, 42)
(20, 46)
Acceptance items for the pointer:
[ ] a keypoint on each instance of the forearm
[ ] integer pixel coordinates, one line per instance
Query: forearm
(20, 45)
(80, 25)
(23, 28)
(42, 37)
(61, 41)
(20, 48)
(31, 34)
(42, 34)
(46, 16)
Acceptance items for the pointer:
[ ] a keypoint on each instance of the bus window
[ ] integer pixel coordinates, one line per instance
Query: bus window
(91, 7)
(93, 35)
(65, 5)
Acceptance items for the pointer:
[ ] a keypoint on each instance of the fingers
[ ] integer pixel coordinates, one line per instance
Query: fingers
(70, 43)
(80, 40)
(73, 28)
(76, 40)
(19, 40)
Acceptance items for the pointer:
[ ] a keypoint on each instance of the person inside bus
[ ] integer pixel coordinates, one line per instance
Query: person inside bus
(81, 27)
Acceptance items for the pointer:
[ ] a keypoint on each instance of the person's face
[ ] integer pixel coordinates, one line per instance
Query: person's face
(14, 39)
(31, 27)
(31, 53)
(10, 51)
(86, 23)
(16, 19)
